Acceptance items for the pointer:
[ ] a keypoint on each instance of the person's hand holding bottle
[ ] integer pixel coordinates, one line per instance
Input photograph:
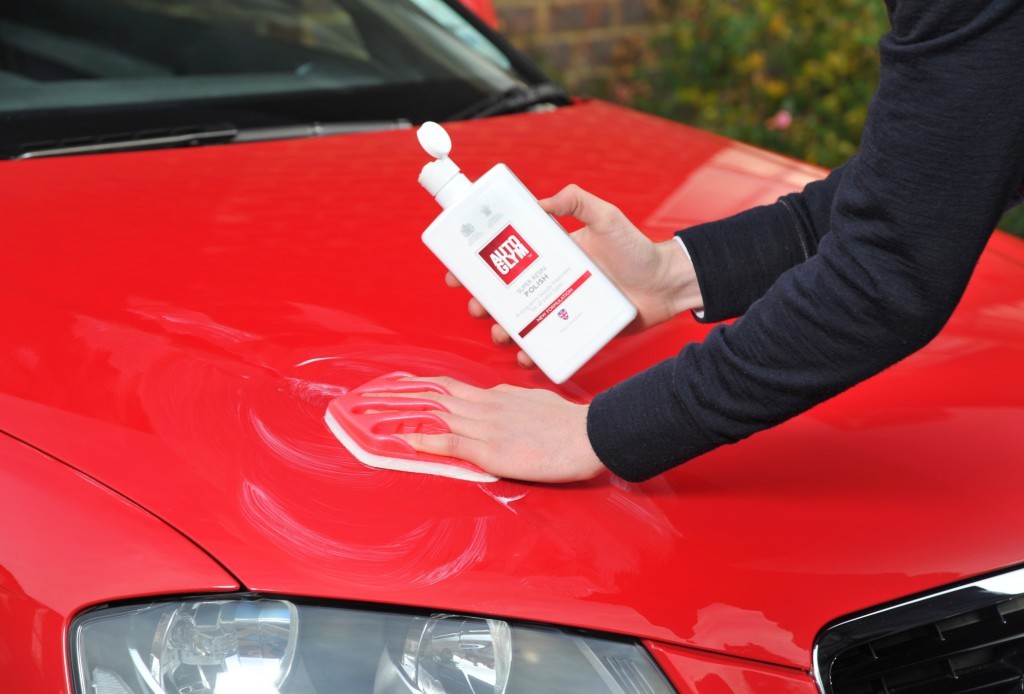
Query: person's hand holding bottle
(535, 434)
(657, 277)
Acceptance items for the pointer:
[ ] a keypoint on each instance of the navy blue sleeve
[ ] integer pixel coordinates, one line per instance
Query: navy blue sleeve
(942, 156)
(738, 258)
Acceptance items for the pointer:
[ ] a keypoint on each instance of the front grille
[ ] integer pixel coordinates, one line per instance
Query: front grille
(968, 638)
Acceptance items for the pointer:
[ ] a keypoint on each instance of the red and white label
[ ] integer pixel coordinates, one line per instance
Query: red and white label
(508, 254)
(555, 304)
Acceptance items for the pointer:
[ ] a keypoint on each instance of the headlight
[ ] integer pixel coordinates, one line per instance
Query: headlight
(247, 645)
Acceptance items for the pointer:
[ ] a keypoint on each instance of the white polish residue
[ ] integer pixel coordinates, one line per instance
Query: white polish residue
(268, 515)
(505, 501)
(305, 388)
(186, 322)
(306, 455)
(400, 559)
(640, 510)
(475, 550)
(314, 360)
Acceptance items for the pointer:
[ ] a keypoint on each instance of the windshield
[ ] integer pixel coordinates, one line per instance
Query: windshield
(76, 72)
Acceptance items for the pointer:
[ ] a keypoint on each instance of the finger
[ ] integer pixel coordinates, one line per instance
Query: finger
(476, 309)
(586, 207)
(468, 427)
(459, 407)
(452, 281)
(555, 205)
(457, 389)
(523, 359)
(451, 445)
(499, 336)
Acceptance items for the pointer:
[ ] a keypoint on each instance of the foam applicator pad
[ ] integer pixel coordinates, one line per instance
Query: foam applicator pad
(367, 418)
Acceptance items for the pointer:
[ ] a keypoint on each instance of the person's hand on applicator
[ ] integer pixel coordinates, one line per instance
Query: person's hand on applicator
(535, 434)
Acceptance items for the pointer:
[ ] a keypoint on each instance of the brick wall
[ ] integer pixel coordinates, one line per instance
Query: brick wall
(577, 41)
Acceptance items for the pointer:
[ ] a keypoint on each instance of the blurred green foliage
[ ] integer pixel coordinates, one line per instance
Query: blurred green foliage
(1014, 222)
(793, 76)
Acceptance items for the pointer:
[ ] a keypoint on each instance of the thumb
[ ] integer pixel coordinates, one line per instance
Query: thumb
(586, 207)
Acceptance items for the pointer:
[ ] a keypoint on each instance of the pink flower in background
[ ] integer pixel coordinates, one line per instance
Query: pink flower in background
(781, 120)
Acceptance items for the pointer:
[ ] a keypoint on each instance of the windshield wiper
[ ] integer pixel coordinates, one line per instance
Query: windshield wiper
(124, 142)
(302, 130)
(199, 135)
(515, 100)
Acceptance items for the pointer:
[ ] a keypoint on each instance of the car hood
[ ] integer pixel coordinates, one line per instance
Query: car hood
(175, 323)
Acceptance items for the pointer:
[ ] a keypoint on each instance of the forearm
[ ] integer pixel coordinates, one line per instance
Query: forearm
(942, 157)
(738, 258)
(815, 334)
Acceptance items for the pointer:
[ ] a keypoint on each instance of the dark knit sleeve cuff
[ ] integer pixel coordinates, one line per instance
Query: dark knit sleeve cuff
(639, 428)
(738, 258)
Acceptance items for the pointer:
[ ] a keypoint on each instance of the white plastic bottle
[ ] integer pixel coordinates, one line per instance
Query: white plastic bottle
(532, 278)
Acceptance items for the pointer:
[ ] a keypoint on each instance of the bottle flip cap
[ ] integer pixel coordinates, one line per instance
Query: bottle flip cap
(434, 139)
(442, 171)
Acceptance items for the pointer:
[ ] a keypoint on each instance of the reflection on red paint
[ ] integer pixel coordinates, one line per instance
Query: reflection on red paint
(176, 326)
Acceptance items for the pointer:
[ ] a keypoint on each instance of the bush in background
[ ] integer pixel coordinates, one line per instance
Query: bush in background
(1014, 222)
(792, 76)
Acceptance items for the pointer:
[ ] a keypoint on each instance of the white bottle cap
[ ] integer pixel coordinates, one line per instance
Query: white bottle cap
(434, 139)
(441, 177)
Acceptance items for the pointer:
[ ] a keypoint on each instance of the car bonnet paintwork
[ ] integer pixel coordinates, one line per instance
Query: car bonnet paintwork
(175, 323)
(485, 10)
(80, 529)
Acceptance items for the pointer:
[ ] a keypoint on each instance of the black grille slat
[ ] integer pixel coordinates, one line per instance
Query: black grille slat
(965, 640)
(990, 681)
(986, 634)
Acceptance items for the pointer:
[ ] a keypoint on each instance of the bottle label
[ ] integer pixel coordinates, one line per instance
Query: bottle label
(541, 292)
(508, 254)
(528, 273)
(562, 313)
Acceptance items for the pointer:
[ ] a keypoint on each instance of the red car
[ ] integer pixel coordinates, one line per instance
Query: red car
(209, 227)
